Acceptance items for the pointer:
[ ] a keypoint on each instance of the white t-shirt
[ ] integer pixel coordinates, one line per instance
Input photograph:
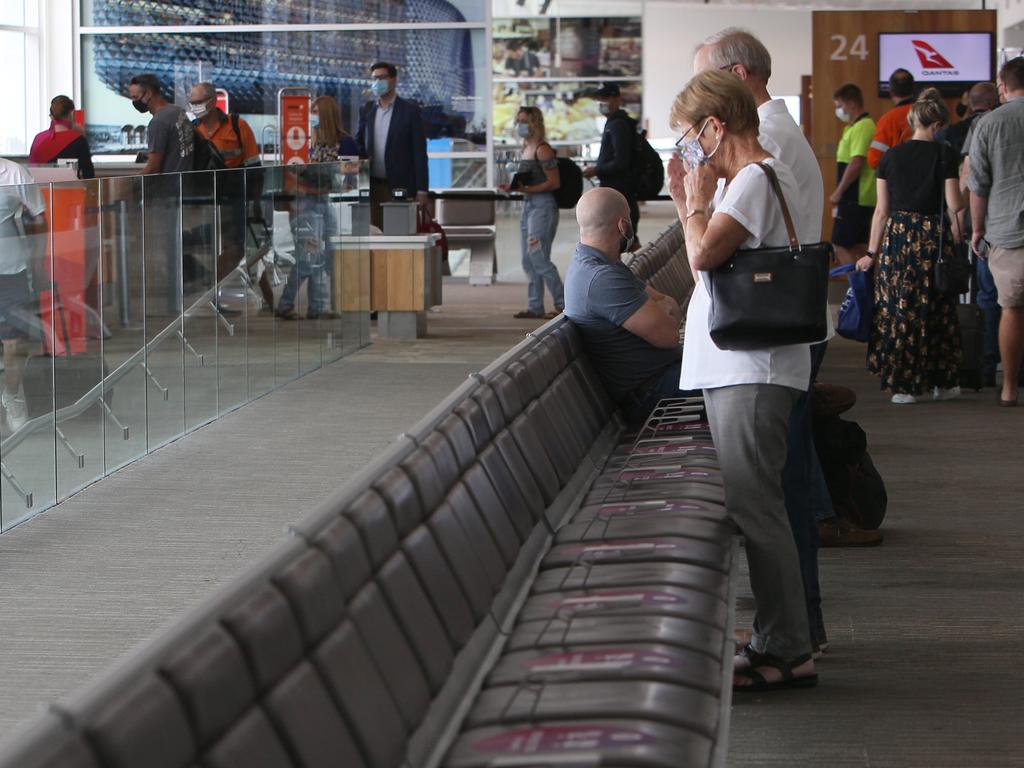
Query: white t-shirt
(749, 200)
(15, 250)
(782, 138)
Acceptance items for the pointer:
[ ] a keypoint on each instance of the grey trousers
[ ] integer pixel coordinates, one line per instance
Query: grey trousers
(749, 423)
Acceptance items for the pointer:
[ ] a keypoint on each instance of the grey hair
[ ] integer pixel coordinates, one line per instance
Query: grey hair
(207, 90)
(738, 46)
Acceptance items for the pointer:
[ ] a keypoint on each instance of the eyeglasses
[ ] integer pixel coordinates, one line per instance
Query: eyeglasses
(679, 142)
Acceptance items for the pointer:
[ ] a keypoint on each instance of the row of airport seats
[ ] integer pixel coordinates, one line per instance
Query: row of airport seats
(662, 264)
(521, 580)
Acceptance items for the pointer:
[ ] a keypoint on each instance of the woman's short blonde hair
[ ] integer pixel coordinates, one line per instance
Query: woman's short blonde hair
(929, 109)
(715, 93)
(534, 119)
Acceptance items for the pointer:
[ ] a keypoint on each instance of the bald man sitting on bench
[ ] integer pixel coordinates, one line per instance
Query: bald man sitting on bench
(630, 331)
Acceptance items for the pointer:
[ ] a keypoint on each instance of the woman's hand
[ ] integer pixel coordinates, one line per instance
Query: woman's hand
(676, 180)
(700, 184)
(836, 197)
(504, 187)
(864, 263)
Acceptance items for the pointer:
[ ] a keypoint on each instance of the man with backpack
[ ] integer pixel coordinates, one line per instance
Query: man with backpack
(227, 142)
(617, 161)
(230, 135)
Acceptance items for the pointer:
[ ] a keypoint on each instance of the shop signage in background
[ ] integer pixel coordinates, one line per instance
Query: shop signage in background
(294, 129)
(223, 101)
(947, 60)
(78, 116)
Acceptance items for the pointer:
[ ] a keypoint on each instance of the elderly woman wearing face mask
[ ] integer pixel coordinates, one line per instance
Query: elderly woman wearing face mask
(536, 177)
(748, 395)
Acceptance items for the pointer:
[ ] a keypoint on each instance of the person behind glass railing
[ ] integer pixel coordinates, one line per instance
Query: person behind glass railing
(915, 335)
(308, 220)
(234, 139)
(329, 140)
(170, 135)
(21, 218)
(748, 395)
(62, 140)
(536, 177)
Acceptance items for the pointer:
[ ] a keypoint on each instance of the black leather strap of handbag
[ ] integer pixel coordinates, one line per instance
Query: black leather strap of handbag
(951, 276)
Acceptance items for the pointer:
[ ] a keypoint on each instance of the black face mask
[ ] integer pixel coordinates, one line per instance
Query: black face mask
(140, 105)
(961, 110)
(626, 241)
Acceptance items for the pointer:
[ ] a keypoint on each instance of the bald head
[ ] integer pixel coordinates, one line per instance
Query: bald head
(983, 96)
(599, 211)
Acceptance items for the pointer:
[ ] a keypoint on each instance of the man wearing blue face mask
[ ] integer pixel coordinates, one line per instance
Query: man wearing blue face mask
(391, 135)
(616, 162)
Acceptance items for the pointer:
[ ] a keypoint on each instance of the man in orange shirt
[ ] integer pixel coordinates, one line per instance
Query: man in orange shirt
(893, 127)
(236, 143)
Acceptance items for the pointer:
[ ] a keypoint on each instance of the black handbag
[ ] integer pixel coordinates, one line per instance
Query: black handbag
(950, 274)
(770, 297)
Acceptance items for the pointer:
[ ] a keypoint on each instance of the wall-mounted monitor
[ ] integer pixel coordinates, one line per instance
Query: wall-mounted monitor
(949, 61)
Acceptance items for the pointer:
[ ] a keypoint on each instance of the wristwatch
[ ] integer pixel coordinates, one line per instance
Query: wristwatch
(871, 254)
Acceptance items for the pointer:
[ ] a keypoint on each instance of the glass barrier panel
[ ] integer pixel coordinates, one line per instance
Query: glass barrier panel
(162, 248)
(201, 254)
(261, 325)
(241, 239)
(76, 328)
(294, 266)
(311, 227)
(27, 458)
(123, 316)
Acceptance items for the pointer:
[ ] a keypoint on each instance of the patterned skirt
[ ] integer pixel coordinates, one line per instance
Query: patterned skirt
(915, 340)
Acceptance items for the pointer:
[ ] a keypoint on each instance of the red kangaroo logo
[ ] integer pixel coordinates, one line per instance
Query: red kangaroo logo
(930, 58)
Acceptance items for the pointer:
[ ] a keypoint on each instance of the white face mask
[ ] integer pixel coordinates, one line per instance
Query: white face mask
(841, 114)
(199, 109)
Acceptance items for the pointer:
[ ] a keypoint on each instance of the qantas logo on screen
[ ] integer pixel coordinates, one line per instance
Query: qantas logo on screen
(930, 58)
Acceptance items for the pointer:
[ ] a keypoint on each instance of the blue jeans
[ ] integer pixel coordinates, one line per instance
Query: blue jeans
(307, 266)
(987, 299)
(639, 406)
(540, 221)
(807, 497)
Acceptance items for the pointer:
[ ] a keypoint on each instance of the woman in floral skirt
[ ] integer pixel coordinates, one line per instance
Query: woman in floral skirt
(915, 342)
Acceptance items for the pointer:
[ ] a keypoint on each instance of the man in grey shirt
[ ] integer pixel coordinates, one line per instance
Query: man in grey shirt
(171, 135)
(996, 182)
(630, 331)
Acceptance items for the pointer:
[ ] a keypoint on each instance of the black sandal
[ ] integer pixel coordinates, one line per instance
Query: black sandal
(785, 667)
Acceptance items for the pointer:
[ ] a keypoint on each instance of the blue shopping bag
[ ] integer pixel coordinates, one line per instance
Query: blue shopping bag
(858, 308)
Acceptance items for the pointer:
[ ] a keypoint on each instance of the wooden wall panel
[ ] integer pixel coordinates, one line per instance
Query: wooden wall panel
(836, 63)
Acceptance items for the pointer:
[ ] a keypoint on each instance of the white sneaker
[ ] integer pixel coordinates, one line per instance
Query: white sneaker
(904, 399)
(945, 394)
(17, 412)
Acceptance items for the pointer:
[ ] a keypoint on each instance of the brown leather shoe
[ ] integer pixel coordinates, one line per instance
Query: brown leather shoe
(840, 532)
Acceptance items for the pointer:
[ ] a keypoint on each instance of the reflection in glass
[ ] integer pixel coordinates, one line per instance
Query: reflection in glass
(123, 320)
(26, 395)
(77, 332)
(164, 360)
(199, 254)
(140, 309)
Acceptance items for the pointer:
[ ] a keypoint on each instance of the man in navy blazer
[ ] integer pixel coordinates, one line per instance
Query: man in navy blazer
(390, 134)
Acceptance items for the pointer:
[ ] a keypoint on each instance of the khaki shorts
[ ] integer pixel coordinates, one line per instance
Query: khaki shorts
(1007, 267)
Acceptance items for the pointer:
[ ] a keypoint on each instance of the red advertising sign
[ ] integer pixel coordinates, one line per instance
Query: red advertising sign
(223, 101)
(294, 129)
(79, 118)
